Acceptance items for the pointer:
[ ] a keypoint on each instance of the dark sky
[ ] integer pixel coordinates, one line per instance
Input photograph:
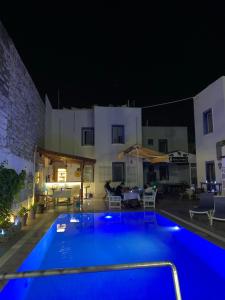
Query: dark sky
(106, 54)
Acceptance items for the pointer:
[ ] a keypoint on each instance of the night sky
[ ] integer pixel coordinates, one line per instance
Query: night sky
(106, 54)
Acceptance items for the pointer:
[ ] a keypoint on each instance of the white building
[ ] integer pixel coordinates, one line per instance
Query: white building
(172, 140)
(99, 133)
(209, 113)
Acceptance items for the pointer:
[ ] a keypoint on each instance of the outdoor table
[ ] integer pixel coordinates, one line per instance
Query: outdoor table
(131, 196)
(131, 199)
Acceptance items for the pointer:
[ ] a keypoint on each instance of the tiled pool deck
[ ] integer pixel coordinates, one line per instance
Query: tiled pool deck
(14, 251)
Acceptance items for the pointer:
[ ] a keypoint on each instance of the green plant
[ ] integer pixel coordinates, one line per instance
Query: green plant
(4, 218)
(10, 185)
(23, 211)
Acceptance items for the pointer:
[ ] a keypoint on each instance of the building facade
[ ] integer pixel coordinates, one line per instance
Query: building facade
(209, 114)
(172, 140)
(99, 133)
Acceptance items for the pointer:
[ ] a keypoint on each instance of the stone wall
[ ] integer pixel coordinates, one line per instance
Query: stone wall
(22, 110)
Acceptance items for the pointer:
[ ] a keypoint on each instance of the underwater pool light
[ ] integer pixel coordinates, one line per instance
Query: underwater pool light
(61, 227)
(108, 217)
(176, 227)
(74, 220)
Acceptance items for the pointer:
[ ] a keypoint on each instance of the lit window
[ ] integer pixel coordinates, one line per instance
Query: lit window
(62, 175)
(117, 134)
(207, 121)
(87, 136)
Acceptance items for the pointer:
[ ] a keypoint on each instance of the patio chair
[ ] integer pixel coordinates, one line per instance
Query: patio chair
(114, 202)
(219, 210)
(206, 205)
(107, 196)
(149, 200)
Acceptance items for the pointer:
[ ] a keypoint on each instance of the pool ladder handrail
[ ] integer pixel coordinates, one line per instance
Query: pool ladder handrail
(102, 268)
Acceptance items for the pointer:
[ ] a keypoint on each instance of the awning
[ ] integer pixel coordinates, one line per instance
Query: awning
(69, 158)
(150, 155)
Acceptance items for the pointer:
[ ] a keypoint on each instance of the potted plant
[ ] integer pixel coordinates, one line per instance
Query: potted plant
(23, 214)
(33, 210)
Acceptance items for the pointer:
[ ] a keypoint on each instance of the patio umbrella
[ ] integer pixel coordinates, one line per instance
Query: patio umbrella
(148, 154)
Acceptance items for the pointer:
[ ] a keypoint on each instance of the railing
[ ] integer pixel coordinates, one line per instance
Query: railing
(92, 269)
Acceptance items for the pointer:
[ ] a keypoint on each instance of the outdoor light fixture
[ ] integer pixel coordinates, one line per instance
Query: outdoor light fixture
(61, 227)
(74, 220)
(176, 227)
(16, 221)
(2, 232)
(108, 217)
(173, 228)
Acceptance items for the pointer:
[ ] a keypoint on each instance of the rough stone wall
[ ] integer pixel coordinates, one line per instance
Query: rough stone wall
(21, 107)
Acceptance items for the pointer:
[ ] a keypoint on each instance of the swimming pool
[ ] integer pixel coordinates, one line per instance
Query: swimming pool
(116, 238)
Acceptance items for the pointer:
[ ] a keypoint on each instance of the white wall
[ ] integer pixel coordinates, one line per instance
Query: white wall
(64, 131)
(210, 97)
(63, 134)
(177, 137)
(106, 152)
(48, 123)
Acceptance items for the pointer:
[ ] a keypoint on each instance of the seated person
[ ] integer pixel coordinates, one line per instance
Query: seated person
(108, 187)
(148, 190)
(119, 190)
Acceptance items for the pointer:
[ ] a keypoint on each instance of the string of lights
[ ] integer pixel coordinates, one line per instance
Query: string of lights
(166, 103)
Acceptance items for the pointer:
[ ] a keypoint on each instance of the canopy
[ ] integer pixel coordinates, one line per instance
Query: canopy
(150, 155)
(58, 156)
(68, 158)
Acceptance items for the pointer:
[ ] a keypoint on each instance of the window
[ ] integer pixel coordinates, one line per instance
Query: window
(87, 136)
(118, 171)
(210, 171)
(163, 173)
(150, 142)
(117, 134)
(163, 146)
(207, 121)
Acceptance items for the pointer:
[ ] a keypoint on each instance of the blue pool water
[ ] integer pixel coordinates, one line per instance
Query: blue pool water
(114, 238)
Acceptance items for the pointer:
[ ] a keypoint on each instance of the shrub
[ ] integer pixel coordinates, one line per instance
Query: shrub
(11, 184)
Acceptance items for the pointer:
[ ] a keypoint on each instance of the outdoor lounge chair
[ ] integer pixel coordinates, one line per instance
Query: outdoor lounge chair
(219, 210)
(206, 205)
(149, 200)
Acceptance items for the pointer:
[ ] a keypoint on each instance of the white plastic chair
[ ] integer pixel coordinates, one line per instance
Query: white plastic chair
(114, 202)
(219, 210)
(149, 200)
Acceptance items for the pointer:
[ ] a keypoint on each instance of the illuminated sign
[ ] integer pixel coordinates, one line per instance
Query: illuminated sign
(179, 159)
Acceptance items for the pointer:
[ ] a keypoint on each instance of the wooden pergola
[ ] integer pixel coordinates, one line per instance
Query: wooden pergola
(68, 158)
